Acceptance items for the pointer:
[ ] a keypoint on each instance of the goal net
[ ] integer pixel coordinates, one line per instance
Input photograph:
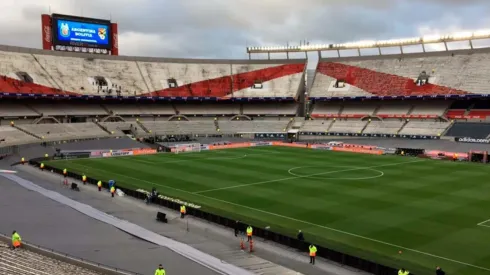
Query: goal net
(186, 148)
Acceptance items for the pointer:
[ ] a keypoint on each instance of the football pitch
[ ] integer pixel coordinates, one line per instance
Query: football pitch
(398, 211)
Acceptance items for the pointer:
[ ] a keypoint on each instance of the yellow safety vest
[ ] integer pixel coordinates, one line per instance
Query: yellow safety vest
(182, 209)
(113, 189)
(42, 165)
(312, 250)
(16, 237)
(249, 231)
(160, 272)
(84, 178)
(22, 159)
(64, 171)
(99, 183)
(403, 273)
(46, 155)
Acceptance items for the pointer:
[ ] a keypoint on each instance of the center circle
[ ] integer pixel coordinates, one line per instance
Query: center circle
(316, 172)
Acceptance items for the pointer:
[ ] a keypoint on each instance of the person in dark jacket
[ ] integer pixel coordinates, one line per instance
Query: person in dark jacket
(237, 228)
(300, 236)
(439, 271)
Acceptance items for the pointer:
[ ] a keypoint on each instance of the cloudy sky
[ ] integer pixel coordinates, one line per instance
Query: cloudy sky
(223, 28)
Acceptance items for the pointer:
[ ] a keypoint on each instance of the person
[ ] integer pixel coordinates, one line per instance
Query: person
(402, 271)
(249, 233)
(113, 190)
(99, 185)
(16, 240)
(300, 236)
(313, 250)
(160, 270)
(41, 166)
(84, 179)
(237, 228)
(182, 211)
(439, 271)
(65, 172)
(23, 161)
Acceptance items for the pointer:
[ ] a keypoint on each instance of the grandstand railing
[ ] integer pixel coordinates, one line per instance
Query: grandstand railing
(292, 242)
(67, 258)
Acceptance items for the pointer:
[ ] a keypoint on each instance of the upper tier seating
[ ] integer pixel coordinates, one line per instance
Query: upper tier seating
(469, 129)
(13, 109)
(24, 262)
(63, 131)
(37, 71)
(359, 108)
(327, 108)
(383, 127)
(447, 73)
(431, 107)
(394, 108)
(252, 126)
(70, 109)
(429, 128)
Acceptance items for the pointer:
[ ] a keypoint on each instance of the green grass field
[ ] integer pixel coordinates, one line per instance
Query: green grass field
(368, 206)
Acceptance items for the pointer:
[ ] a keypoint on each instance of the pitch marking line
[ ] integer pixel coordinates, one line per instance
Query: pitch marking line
(380, 173)
(305, 176)
(304, 222)
(483, 223)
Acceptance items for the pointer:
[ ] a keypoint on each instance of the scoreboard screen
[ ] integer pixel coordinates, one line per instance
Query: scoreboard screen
(81, 32)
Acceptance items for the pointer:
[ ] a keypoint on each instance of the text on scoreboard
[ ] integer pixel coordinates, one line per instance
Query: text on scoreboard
(82, 34)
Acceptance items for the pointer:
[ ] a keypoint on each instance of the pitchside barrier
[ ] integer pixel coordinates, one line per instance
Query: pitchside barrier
(326, 253)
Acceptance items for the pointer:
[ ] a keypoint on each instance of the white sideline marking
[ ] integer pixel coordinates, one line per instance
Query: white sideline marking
(304, 222)
(381, 173)
(305, 176)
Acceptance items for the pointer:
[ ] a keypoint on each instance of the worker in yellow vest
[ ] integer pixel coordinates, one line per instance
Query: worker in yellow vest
(23, 161)
(12, 123)
(65, 172)
(249, 233)
(16, 240)
(312, 253)
(99, 185)
(182, 211)
(403, 272)
(113, 190)
(41, 166)
(160, 270)
(46, 155)
(84, 179)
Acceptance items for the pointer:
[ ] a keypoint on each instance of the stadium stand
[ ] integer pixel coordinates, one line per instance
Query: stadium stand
(469, 129)
(395, 75)
(270, 108)
(12, 136)
(348, 126)
(252, 126)
(140, 109)
(429, 128)
(327, 108)
(43, 72)
(62, 131)
(317, 125)
(180, 127)
(384, 127)
(25, 262)
(208, 109)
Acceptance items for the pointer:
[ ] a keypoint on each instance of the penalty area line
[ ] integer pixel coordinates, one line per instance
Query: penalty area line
(306, 222)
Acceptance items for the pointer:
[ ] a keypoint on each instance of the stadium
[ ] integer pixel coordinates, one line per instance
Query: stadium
(378, 160)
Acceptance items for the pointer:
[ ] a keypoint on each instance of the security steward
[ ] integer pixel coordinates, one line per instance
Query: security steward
(65, 172)
(402, 271)
(84, 179)
(182, 211)
(23, 161)
(99, 185)
(250, 231)
(41, 166)
(113, 190)
(160, 270)
(16, 240)
(313, 250)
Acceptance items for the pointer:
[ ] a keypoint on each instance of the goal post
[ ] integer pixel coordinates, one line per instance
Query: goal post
(186, 148)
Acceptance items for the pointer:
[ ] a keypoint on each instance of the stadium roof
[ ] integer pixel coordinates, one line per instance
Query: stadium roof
(429, 39)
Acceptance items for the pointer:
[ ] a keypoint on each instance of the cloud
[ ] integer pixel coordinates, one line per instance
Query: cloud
(223, 28)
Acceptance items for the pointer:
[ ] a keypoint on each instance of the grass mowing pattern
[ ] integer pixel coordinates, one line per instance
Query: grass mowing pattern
(430, 207)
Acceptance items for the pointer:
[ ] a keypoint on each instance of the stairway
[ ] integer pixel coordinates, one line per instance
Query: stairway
(411, 110)
(216, 124)
(102, 127)
(143, 126)
(403, 126)
(330, 126)
(365, 126)
(106, 109)
(469, 109)
(27, 132)
(48, 76)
